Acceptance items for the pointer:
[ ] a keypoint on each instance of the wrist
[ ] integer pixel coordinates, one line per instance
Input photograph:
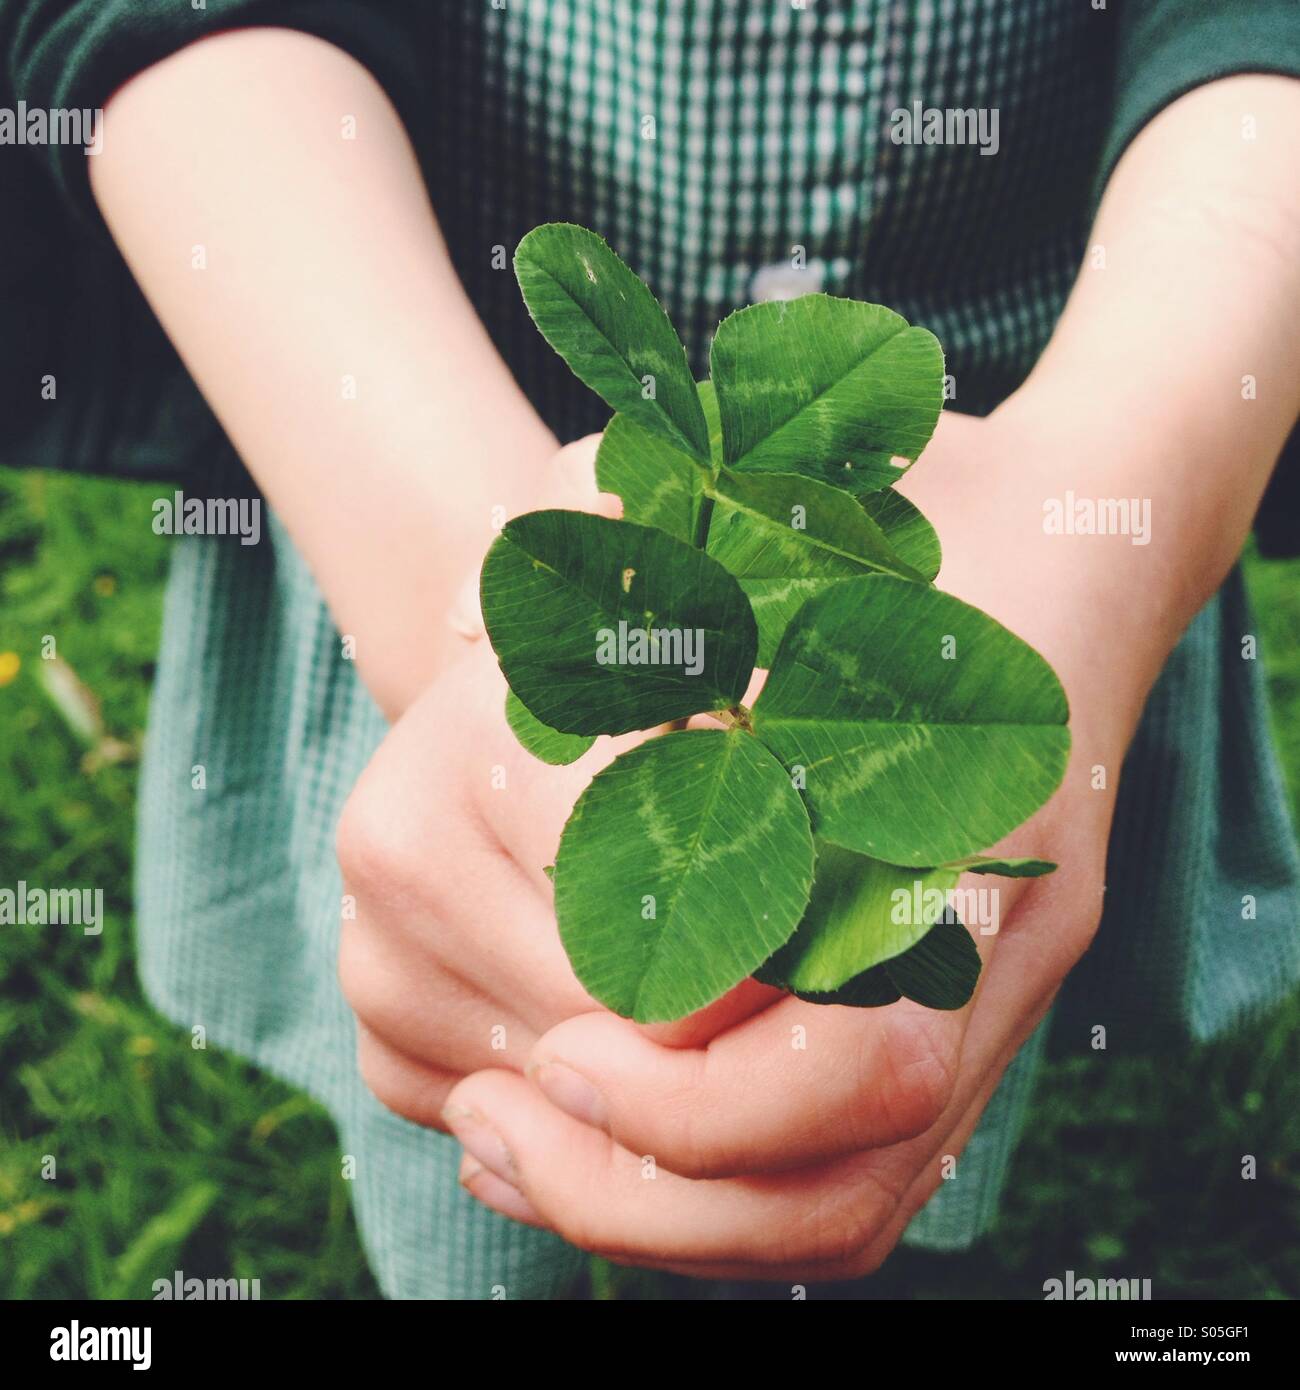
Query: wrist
(1152, 497)
(1056, 528)
(567, 481)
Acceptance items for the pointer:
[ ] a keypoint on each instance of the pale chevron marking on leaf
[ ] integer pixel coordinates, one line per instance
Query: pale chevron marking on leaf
(707, 823)
(659, 484)
(832, 388)
(753, 536)
(910, 758)
(780, 540)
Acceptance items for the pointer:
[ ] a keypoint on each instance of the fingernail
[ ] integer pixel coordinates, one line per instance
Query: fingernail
(481, 1141)
(572, 1093)
(498, 1194)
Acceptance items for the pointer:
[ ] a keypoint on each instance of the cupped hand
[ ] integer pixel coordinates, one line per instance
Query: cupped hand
(449, 953)
(797, 1142)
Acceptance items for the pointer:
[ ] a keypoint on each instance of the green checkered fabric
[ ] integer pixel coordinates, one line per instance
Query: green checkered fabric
(717, 145)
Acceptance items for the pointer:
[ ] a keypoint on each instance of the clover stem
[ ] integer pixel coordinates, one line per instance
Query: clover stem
(737, 717)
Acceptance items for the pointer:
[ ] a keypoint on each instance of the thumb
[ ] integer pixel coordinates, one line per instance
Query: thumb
(748, 998)
(572, 480)
(569, 484)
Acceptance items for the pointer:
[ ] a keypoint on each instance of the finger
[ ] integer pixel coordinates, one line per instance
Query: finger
(1016, 996)
(786, 1087)
(496, 1193)
(500, 938)
(862, 1205)
(795, 1084)
(428, 867)
(524, 802)
(401, 1084)
(481, 924)
(748, 998)
(570, 483)
(603, 1198)
(941, 1161)
(791, 1085)
(425, 1012)
(832, 1221)
(927, 1156)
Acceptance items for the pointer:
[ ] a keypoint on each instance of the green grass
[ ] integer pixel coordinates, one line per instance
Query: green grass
(167, 1157)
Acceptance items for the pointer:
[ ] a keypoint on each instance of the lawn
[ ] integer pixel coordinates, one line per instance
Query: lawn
(162, 1157)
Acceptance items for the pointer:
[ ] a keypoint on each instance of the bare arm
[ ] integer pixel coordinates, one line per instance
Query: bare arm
(1173, 378)
(1179, 361)
(324, 261)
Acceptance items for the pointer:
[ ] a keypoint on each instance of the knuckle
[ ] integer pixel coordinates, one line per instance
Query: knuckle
(838, 1227)
(359, 842)
(855, 1237)
(1077, 941)
(403, 1086)
(685, 1151)
(369, 845)
(375, 1074)
(690, 1160)
(873, 1195)
(1063, 912)
(602, 1227)
(582, 1228)
(700, 1166)
(385, 1082)
(357, 977)
(908, 1075)
(688, 1138)
(896, 1204)
(868, 1259)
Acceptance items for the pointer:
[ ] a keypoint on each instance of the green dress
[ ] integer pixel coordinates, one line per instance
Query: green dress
(713, 143)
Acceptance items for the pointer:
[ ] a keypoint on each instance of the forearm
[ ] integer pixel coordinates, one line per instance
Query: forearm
(1138, 402)
(1178, 356)
(327, 329)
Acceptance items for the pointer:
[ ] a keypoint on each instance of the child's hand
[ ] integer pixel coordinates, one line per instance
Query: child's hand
(799, 1142)
(453, 962)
